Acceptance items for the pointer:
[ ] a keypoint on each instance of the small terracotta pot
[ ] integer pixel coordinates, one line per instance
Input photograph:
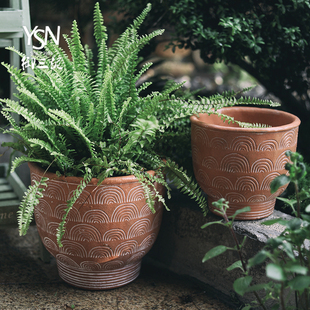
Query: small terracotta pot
(238, 164)
(108, 231)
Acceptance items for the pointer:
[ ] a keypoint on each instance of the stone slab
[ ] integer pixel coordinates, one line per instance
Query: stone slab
(182, 244)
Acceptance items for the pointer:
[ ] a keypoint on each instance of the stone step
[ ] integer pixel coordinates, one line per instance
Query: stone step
(182, 244)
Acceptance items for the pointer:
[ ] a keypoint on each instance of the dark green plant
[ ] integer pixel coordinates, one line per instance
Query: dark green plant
(269, 39)
(85, 119)
(291, 193)
(286, 256)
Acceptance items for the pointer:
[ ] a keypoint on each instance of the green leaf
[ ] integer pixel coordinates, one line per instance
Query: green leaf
(241, 285)
(290, 202)
(278, 182)
(288, 249)
(274, 221)
(299, 283)
(211, 223)
(294, 224)
(243, 210)
(297, 269)
(235, 265)
(218, 250)
(259, 258)
(257, 287)
(275, 272)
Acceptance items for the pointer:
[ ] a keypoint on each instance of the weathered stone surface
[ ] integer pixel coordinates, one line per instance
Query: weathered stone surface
(182, 244)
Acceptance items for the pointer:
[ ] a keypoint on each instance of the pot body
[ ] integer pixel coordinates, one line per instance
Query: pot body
(238, 164)
(108, 231)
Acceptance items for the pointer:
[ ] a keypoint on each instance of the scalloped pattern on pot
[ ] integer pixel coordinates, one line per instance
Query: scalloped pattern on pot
(240, 165)
(108, 231)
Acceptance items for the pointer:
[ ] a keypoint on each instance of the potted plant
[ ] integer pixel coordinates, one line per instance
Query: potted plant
(238, 163)
(94, 149)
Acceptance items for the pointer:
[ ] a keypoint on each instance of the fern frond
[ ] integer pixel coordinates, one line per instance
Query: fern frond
(21, 79)
(252, 125)
(231, 119)
(123, 111)
(124, 52)
(102, 63)
(126, 87)
(26, 95)
(86, 90)
(100, 31)
(76, 48)
(53, 89)
(139, 20)
(148, 193)
(30, 200)
(32, 120)
(24, 159)
(185, 184)
(257, 101)
(76, 194)
(232, 93)
(117, 45)
(10, 119)
(45, 145)
(21, 136)
(89, 61)
(105, 110)
(56, 115)
(64, 62)
(145, 129)
(14, 145)
(144, 68)
(149, 183)
(143, 87)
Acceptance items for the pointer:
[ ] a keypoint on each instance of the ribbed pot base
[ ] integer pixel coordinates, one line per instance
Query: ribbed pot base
(258, 211)
(98, 280)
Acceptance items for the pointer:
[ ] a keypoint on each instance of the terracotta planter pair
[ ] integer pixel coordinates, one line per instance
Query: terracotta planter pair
(238, 164)
(108, 231)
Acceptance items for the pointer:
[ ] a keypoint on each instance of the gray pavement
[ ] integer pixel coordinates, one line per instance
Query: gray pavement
(28, 283)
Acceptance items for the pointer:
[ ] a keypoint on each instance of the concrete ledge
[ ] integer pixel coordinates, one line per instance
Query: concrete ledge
(182, 244)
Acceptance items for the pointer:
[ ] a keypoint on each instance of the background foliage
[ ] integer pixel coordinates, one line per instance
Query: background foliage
(269, 39)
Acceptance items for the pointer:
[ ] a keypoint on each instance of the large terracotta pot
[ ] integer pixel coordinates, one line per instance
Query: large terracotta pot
(108, 231)
(238, 164)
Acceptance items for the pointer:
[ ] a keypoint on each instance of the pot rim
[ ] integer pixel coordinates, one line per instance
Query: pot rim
(295, 120)
(94, 181)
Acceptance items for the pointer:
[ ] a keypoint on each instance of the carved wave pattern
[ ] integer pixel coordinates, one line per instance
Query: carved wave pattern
(199, 134)
(241, 168)
(87, 230)
(235, 162)
(244, 143)
(111, 249)
(243, 184)
(101, 195)
(55, 191)
(108, 228)
(103, 252)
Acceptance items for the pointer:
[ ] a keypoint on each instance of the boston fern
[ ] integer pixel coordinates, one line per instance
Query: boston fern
(86, 118)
